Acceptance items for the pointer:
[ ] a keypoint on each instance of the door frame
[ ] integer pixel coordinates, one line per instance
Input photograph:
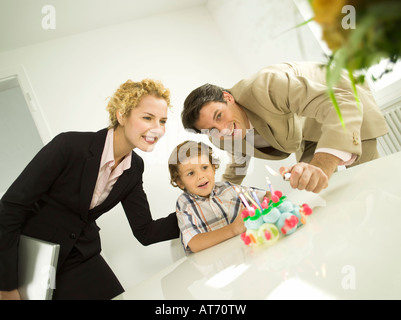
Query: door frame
(18, 76)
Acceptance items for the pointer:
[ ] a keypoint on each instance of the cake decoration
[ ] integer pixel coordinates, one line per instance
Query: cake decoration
(277, 216)
(267, 221)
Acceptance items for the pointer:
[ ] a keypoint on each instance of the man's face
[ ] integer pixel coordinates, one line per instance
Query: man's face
(223, 120)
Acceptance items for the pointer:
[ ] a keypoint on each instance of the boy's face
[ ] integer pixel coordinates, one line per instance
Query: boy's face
(196, 175)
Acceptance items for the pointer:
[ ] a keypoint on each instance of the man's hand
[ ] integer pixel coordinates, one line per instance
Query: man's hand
(10, 295)
(308, 177)
(314, 176)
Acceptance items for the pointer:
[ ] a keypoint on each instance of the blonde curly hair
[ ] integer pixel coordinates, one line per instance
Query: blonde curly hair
(129, 94)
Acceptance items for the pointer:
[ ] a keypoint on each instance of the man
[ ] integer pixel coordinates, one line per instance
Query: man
(285, 109)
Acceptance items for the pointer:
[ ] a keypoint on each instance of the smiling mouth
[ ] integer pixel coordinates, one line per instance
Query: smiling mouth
(233, 130)
(204, 185)
(228, 132)
(150, 140)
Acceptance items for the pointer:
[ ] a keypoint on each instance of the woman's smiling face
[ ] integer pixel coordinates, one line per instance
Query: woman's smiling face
(146, 123)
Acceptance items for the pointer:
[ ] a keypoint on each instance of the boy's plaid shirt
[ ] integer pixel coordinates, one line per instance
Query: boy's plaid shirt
(198, 214)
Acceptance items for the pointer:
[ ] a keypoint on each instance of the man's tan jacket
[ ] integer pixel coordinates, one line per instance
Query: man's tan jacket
(288, 104)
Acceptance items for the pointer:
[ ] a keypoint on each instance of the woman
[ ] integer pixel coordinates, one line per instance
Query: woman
(76, 178)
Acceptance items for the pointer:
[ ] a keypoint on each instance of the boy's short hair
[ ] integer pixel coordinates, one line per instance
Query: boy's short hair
(196, 100)
(185, 151)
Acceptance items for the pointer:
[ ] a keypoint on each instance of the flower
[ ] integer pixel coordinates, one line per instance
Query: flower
(327, 12)
(360, 33)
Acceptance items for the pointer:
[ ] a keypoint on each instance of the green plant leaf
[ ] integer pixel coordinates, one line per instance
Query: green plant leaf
(335, 67)
(353, 83)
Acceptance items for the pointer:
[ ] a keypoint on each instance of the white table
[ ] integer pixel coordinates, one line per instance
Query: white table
(350, 248)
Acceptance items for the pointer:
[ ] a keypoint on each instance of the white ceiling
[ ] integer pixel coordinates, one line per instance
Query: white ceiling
(21, 20)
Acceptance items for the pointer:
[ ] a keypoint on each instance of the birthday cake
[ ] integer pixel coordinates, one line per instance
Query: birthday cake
(274, 218)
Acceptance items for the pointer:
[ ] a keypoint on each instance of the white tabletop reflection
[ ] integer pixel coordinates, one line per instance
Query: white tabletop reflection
(349, 249)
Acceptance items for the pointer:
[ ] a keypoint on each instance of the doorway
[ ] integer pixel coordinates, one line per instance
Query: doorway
(20, 137)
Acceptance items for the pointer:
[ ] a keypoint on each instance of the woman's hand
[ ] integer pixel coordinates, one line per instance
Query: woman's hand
(10, 295)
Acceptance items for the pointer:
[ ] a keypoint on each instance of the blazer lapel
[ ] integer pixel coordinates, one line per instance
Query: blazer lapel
(282, 132)
(91, 172)
(115, 195)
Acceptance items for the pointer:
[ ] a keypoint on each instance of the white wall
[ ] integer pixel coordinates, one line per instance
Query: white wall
(72, 77)
(262, 32)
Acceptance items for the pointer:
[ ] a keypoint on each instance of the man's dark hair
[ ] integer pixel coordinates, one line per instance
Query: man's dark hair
(196, 100)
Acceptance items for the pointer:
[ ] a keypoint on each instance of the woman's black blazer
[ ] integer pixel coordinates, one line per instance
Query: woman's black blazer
(50, 200)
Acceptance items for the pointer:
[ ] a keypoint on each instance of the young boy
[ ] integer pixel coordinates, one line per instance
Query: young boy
(208, 213)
